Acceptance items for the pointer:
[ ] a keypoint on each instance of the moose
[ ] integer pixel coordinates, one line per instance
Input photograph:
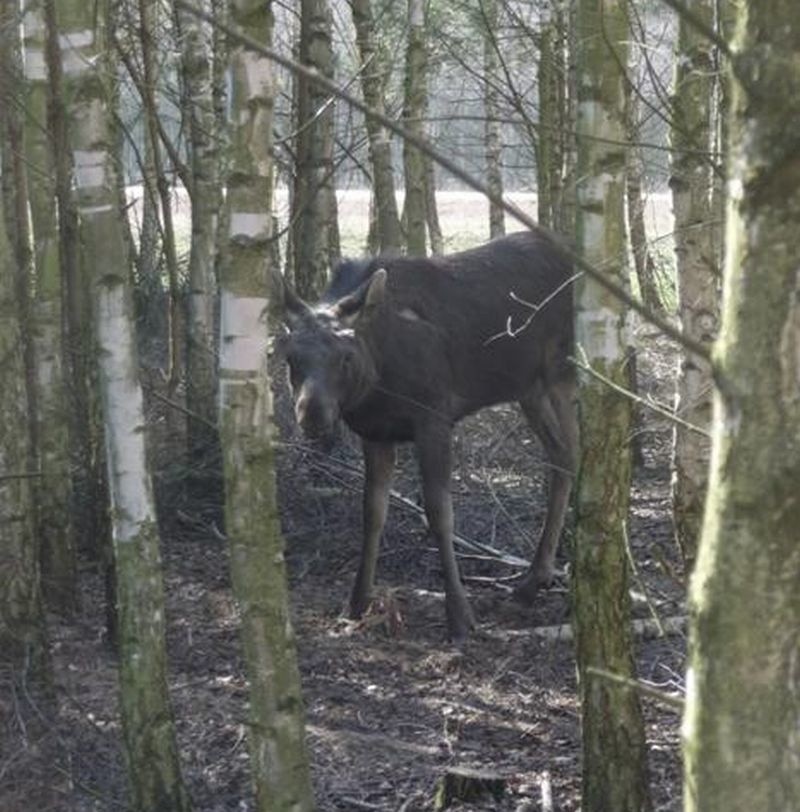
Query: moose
(402, 348)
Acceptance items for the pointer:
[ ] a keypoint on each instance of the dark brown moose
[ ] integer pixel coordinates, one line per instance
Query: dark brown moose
(402, 348)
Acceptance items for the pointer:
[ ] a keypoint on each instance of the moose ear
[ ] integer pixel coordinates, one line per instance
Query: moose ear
(296, 311)
(365, 300)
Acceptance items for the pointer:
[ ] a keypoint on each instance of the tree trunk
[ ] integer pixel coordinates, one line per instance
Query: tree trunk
(277, 747)
(698, 297)
(197, 54)
(146, 715)
(431, 209)
(548, 130)
(614, 751)
(565, 210)
(492, 129)
(54, 531)
(415, 101)
(23, 647)
(742, 716)
(148, 19)
(643, 263)
(314, 201)
(374, 70)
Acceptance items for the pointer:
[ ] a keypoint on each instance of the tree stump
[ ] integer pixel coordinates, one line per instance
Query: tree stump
(461, 784)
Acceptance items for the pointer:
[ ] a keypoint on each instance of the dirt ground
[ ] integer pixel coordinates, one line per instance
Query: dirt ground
(390, 705)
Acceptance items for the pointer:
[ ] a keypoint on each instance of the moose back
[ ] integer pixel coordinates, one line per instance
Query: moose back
(402, 348)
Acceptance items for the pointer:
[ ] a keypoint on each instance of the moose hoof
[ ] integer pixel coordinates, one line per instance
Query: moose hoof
(528, 588)
(460, 622)
(358, 606)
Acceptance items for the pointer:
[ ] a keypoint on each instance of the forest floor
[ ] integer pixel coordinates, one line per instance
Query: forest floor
(390, 704)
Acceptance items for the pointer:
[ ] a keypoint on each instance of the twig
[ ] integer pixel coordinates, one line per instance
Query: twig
(640, 582)
(648, 404)
(670, 700)
(709, 33)
(23, 475)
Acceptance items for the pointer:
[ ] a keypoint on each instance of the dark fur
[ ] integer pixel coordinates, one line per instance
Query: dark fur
(406, 363)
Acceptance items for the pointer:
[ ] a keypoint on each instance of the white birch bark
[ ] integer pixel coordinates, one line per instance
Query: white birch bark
(614, 750)
(146, 715)
(279, 764)
(697, 274)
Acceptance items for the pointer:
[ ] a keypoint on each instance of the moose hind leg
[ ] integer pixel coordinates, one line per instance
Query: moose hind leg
(552, 416)
(434, 453)
(379, 459)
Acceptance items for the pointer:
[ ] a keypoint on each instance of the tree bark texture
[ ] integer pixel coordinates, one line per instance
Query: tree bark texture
(23, 648)
(697, 276)
(148, 731)
(742, 717)
(56, 539)
(414, 104)
(89, 512)
(314, 198)
(278, 757)
(374, 75)
(197, 49)
(614, 749)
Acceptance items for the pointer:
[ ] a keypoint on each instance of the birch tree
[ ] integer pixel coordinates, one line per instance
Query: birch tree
(54, 527)
(742, 717)
(614, 751)
(146, 715)
(314, 197)
(697, 277)
(278, 758)
(22, 640)
(197, 53)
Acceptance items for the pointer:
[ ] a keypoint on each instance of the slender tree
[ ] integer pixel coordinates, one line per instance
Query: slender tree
(492, 129)
(146, 716)
(742, 713)
(698, 298)
(276, 734)
(643, 262)
(374, 72)
(53, 493)
(415, 102)
(614, 752)
(314, 196)
(23, 648)
(197, 51)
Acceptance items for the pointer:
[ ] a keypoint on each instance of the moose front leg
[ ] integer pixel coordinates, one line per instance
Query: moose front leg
(434, 453)
(379, 459)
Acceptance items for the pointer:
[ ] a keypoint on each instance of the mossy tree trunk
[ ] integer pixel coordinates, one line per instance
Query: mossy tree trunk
(148, 732)
(54, 525)
(614, 750)
(742, 717)
(89, 509)
(276, 736)
(314, 195)
(23, 649)
(697, 275)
